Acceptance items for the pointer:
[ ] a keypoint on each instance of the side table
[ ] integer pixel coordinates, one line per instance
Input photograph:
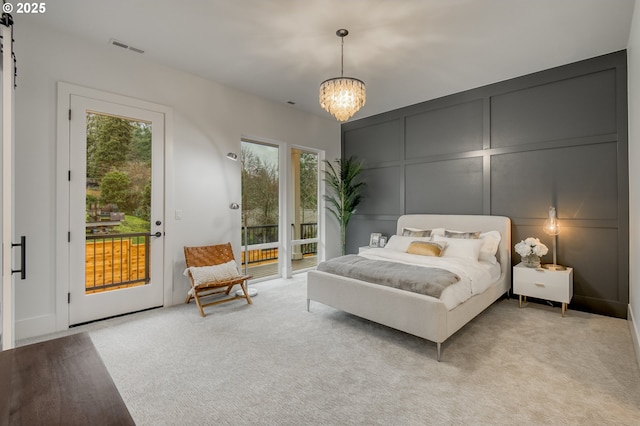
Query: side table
(543, 284)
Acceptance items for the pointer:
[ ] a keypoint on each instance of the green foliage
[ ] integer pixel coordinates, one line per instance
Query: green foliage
(132, 224)
(119, 163)
(144, 211)
(108, 144)
(140, 147)
(115, 189)
(341, 179)
(260, 185)
(308, 182)
(139, 173)
(260, 189)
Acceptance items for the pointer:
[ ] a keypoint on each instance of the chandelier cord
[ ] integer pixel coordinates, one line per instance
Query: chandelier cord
(342, 58)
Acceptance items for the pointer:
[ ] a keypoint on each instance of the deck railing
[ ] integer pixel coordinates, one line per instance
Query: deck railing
(121, 260)
(309, 230)
(264, 234)
(116, 260)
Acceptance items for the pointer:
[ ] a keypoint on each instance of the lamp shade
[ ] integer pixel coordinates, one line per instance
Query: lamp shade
(342, 97)
(551, 225)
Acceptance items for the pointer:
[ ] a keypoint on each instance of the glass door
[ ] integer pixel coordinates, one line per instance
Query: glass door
(116, 185)
(260, 209)
(303, 209)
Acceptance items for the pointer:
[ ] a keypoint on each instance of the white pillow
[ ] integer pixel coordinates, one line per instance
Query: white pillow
(206, 274)
(437, 231)
(401, 243)
(468, 235)
(416, 232)
(463, 248)
(489, 249)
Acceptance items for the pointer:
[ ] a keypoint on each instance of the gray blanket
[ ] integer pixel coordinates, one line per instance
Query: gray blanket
(417, 279)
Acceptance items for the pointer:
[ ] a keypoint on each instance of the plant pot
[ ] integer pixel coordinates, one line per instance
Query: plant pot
(531, 261)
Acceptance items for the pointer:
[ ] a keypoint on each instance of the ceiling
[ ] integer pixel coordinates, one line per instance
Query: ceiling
(406, 51)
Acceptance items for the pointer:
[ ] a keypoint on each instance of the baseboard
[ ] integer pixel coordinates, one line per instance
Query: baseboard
(37, 326)
(635, 336)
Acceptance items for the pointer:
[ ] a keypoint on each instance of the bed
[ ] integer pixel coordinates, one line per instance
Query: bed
(429, 317)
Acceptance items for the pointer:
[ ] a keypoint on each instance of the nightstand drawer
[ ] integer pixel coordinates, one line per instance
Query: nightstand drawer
(544, 284)
(543, 290)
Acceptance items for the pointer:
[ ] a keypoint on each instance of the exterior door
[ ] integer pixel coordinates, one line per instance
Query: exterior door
(116, 196)
(303, 209)
(261, 230)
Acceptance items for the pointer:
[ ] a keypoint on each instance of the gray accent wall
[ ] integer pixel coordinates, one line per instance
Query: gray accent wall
(514, 148)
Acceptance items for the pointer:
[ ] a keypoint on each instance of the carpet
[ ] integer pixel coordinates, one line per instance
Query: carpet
(274, 363)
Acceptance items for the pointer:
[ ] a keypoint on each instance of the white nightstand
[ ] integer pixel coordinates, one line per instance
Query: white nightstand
(364, 248)
(543, 284)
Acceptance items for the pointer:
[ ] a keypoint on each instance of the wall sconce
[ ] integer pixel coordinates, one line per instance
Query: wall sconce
(234, 157)
(552, 227)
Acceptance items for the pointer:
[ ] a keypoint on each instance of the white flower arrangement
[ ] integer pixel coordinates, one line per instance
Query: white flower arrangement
(531, 246)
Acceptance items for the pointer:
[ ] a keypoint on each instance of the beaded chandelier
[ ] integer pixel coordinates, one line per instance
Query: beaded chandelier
(342, 96)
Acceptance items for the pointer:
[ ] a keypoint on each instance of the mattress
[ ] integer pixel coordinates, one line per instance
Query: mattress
(475, 276)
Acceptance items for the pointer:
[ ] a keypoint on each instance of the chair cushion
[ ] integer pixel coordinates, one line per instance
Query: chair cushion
(207, 274)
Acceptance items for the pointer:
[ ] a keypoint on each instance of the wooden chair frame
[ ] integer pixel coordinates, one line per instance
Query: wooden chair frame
(210, 256)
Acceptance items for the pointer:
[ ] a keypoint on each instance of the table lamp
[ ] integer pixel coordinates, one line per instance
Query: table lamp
(552, 227)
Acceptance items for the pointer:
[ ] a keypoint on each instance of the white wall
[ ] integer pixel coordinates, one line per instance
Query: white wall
(633, 54)
(209, 120)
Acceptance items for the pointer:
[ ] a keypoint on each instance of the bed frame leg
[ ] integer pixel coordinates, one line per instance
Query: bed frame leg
(308, 302)
(439, 345)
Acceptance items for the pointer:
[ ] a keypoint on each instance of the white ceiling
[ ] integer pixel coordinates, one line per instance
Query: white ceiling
(406, 51)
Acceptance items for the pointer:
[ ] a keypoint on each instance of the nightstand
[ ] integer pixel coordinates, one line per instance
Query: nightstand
(543, 284)
(364, 248)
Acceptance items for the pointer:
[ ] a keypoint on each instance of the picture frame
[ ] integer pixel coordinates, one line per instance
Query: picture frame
(374, 240)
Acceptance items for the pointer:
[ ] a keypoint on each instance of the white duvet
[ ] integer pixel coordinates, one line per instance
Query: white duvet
(475, 277)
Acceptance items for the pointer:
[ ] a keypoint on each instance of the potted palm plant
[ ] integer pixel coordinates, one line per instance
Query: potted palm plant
(341, 178)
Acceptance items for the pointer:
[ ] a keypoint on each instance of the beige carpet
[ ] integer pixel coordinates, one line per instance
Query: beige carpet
(274, 363)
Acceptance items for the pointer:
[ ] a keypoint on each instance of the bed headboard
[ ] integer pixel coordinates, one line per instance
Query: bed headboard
(470, 223)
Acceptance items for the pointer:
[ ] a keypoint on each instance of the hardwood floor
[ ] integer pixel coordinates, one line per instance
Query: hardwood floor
(59, 382)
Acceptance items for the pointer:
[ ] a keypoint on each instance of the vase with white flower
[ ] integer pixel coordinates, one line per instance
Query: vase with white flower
(530, 250)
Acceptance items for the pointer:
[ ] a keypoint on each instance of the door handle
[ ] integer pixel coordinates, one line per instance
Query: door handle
(157, 234)
(23, 257)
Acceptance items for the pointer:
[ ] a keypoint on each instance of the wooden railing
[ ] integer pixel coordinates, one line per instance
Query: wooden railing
(269, 234)
(121, 260)
(116, 260)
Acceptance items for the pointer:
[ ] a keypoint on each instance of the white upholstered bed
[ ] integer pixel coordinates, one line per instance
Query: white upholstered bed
(413, 313)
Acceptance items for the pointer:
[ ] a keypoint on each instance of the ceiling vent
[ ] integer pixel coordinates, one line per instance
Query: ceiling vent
(125, 46)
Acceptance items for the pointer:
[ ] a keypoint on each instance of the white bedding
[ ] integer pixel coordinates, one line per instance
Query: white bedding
(475, 277)
(427, 317)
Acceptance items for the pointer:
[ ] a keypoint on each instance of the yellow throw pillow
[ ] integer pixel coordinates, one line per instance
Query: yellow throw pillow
(426, 248)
